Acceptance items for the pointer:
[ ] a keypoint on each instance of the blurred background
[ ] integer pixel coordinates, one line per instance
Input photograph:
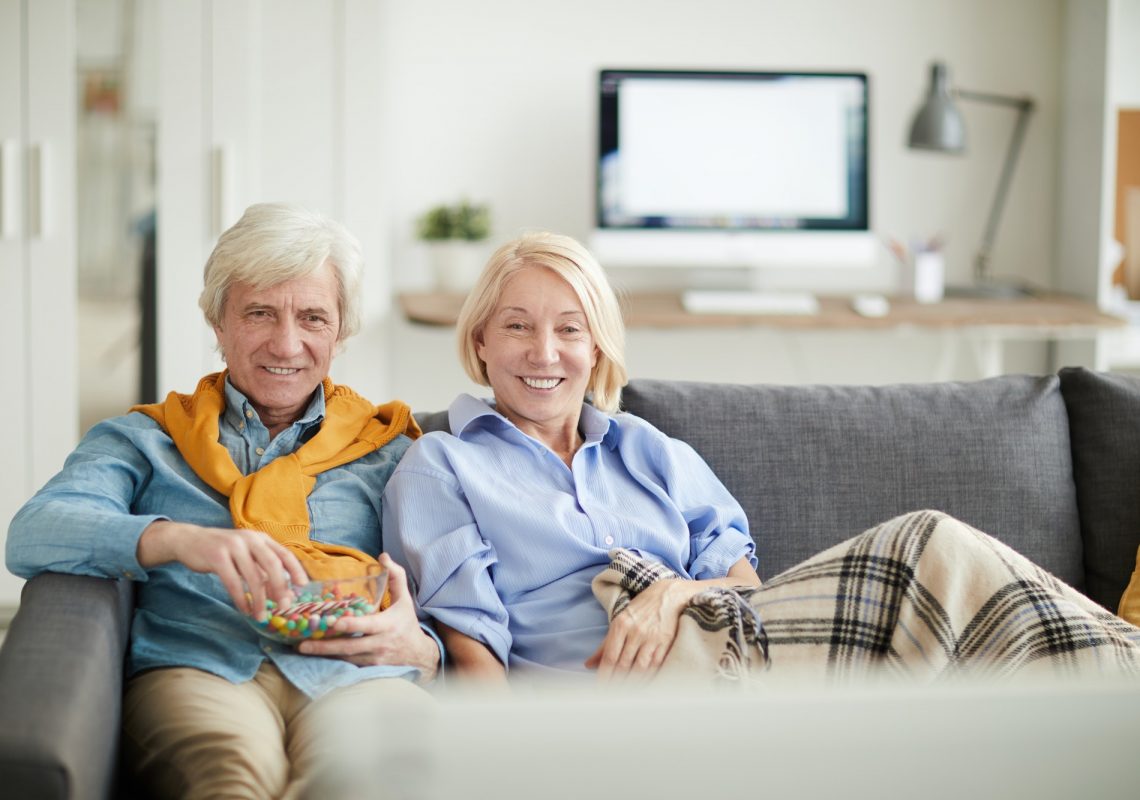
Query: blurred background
(179, 115)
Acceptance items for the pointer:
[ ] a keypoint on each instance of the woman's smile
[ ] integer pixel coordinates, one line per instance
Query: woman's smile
(542, 383)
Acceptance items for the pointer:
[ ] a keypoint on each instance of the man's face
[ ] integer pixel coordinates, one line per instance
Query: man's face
(279, 342)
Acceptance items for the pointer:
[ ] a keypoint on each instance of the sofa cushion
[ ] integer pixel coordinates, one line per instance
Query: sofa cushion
(1104, 419)
(813, 465)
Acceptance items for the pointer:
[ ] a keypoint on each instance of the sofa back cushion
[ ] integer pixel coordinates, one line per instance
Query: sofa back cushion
(813, 465)
(433, 421)
(1104, 421)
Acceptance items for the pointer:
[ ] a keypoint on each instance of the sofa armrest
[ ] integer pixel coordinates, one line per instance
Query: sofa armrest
(61, 681)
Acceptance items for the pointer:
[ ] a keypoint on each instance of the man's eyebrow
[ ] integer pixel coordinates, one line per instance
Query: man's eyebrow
(255, 306)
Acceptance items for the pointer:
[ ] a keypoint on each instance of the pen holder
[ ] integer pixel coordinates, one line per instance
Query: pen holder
(929, 278)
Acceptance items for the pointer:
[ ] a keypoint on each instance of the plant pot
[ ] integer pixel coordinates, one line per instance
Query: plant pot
(456, 264)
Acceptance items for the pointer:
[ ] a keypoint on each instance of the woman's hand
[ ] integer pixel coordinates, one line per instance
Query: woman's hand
(640, 636)
(392, 637)
(244, 560)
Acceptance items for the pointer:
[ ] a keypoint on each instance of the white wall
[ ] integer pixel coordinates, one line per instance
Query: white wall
(496, 101)
(1125, 53)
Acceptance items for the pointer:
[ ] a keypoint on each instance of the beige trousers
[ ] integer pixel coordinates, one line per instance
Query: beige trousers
(191, 734)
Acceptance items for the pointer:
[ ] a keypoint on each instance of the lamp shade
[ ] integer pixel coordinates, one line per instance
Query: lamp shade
(937, 125)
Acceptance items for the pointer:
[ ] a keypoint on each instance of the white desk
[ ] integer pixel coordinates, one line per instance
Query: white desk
(979, 325)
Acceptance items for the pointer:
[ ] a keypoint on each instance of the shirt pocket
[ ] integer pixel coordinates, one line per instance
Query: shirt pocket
(347, 521)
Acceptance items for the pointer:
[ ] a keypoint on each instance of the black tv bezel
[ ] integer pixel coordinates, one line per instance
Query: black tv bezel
(858, 185)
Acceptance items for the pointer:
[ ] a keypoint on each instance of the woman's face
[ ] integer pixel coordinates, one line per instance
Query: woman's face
(539, 353)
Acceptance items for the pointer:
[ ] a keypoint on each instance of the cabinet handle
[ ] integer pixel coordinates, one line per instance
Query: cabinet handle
(9, 189)
(39, 173)
(223, 165)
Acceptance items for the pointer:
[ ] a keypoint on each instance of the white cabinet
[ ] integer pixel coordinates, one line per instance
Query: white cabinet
(258, 101)
(39, 400)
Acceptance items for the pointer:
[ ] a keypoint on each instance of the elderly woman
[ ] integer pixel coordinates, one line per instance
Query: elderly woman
(509, 524)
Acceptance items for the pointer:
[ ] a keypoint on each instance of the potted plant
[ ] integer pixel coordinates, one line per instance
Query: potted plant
(453, 234)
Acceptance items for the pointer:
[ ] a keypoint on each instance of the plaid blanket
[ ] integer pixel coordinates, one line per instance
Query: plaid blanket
(923, 596)
(720, 634)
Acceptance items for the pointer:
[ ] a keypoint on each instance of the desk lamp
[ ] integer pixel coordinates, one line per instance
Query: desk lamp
(938, 126)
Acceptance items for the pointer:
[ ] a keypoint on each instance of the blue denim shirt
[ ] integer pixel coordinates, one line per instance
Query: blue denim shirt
(126, 473)
(502, 539)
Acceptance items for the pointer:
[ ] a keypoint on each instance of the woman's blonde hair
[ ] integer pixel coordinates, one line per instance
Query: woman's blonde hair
(277, 242)
(575, 265)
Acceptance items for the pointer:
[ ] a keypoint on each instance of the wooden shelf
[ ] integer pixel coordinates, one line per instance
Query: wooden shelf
(1044, 316)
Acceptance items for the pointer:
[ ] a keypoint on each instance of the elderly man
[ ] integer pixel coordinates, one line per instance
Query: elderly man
(214, 502)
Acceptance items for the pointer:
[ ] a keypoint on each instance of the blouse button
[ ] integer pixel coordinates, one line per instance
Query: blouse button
(260, 451)
(249, 413)
(609, 540)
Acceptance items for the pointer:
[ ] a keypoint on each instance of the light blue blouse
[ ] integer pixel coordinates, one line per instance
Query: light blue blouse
(502, 539)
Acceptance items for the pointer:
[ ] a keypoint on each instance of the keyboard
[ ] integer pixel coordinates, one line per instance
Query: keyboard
(708, 301)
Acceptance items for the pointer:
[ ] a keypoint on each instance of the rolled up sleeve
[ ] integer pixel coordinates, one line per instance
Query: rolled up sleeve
(429, 530)
(718, 527)
(81, 521)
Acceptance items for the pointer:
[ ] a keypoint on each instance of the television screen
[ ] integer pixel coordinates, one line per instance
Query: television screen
(734, 152)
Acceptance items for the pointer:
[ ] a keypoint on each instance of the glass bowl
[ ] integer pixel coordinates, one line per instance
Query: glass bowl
(320, 603)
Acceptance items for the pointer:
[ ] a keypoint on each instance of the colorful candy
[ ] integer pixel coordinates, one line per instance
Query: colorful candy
(311, 616)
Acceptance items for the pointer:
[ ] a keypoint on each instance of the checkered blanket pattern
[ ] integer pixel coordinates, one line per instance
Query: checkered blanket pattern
(920, 597)
(720, 633)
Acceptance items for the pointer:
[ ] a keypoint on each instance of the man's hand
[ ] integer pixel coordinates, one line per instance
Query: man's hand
(244, 560)
(392, 637)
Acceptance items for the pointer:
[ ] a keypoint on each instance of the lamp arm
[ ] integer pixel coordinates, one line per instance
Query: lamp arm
(1024, 107)
(995, 99)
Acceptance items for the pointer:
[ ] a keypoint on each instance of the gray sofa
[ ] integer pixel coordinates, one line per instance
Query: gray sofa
(1049, 464)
